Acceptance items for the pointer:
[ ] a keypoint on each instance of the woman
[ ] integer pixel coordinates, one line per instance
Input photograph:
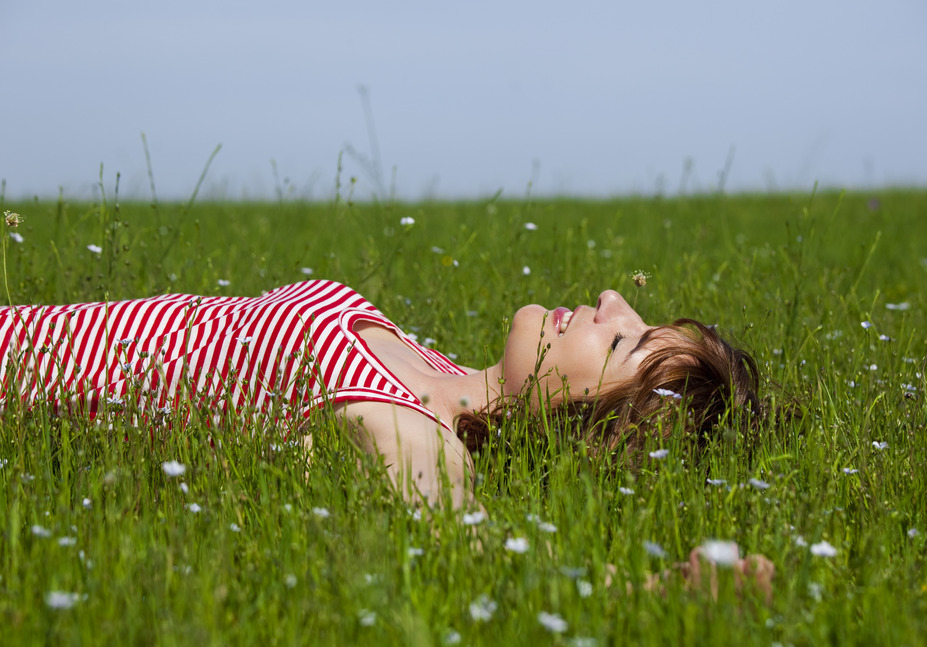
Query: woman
(316, 343)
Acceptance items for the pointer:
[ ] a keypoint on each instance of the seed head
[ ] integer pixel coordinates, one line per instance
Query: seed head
(640, 278)
(12, 219)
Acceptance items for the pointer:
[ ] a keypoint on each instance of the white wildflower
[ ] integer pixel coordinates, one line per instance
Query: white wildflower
(452, 637)
(880, 445)
(39, 531)
(722, 553)
(86, 503)
(526, 270)
(626, 491)
(173, 468)
(67, 541)
(96, 249)
(415, 552)
(659, 454)
(308, 271)
(224, 282)
(823, 549)
(483, 608)
(16, 237)
(184, 487)
(234, 527)
(552, 622)
(321, 513)
(289, 581)
(866, 324)
(584, 588)
(546, 526)
(884, 338)
(61, 599)
(244, 341)
(407, 221)
(194, 507)
(667, 393)
(904, 305)
(530, 226)
(850, 470)
(437, 250)
(654, 549)
(912, 533)
(715, 482)
(758, 484)
(800, 541)
(366, 617)
(516, 545)
(474, 518)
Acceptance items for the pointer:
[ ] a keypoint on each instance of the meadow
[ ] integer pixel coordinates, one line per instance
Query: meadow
(114, 535)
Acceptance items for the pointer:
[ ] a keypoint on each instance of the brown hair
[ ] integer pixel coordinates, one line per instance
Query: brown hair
(693, 367)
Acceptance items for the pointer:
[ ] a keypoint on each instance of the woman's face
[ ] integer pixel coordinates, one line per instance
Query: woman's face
(589, 347)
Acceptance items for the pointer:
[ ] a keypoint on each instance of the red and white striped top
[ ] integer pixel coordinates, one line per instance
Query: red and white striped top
(294, 348)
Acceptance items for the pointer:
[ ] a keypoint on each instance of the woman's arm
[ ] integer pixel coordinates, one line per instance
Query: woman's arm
(422, 458)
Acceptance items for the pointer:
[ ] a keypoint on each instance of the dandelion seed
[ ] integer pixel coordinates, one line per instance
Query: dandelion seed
(516, 545)
(289, 581)
(584, 588)
(722, 553)
(96, 249)
(39, 531)
(654, 549)
(866, 324)
(61, 599)
(667, 393)
(415, 552)
(474, 518)
(850, 470)
(758, 484)
(823, 549)
(912, 533)
(880, 445)
(552, 622)
(308, 271)
(659, 454)
(86, 503)
(526, 270)
(173, 468)
(904, 305)
(366, 617)
(530, 226)
(224, 282)
(407, 221)
(626, 491)
(483, 608)
(321, 513)
(16, 238)
(12, 219)
(715, 482)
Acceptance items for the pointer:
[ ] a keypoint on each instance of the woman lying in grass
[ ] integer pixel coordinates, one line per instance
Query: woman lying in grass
(317, 343)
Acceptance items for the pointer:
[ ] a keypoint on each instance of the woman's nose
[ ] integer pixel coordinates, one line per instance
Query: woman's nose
(612, 305)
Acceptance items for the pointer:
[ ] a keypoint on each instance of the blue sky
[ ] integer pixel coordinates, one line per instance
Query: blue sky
(580, 98)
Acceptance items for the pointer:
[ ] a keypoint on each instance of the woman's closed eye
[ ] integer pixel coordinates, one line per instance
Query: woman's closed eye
(618, 338)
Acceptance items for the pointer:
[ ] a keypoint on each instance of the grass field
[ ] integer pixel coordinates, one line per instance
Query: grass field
(100, 544)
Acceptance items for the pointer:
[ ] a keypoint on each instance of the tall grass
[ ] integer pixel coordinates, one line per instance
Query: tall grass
(100, 545)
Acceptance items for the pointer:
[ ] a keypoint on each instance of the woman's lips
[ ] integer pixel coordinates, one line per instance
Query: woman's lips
(557, 317)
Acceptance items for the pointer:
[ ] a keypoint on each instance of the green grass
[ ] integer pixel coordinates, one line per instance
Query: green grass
(88, 510)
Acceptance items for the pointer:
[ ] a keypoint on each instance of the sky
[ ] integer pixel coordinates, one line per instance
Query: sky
(465, 99)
